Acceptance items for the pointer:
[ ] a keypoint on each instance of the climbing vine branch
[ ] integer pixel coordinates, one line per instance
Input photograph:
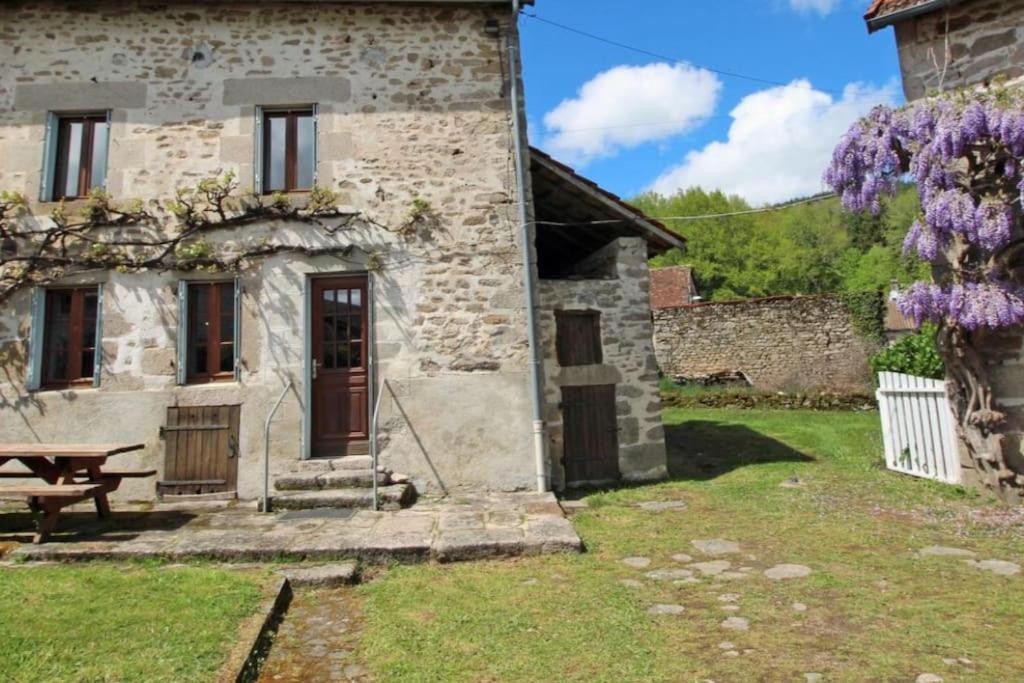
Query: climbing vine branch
(173, 235)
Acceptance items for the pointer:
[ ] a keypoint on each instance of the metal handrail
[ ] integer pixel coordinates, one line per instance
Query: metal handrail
(374, 455)
(266, 447)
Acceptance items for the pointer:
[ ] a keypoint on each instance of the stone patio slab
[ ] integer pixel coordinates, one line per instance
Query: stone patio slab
(520, 524)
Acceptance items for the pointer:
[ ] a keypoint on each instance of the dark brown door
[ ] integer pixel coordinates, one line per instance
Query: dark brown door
(590, 434)
(340, 400)
(201, 450)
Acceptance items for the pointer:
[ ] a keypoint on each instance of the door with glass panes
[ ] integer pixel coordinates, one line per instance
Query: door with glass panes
(339, 373)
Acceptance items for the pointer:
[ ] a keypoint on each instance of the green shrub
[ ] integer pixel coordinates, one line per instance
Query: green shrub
(914, 354)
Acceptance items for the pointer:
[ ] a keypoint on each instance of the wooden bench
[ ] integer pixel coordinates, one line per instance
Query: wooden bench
(51, 490)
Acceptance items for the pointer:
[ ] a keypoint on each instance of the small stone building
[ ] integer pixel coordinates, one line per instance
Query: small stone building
(402, 111)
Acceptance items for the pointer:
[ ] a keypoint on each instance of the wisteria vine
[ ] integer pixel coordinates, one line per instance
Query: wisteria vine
(965, 152)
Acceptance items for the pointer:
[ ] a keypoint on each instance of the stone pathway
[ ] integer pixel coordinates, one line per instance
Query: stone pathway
(716, 547)
(467, 527)
(999, 567)
(316, 641)
(781, 572)
(716, 570)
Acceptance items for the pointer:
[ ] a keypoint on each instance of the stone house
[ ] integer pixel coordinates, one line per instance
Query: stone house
(412, 238)
(947, 44)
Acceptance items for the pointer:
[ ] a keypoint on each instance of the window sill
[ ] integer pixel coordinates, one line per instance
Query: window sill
(211, 382)
(75, 387)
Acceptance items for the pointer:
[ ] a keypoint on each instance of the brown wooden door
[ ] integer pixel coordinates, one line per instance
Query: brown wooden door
(201, 450)
(590, 434)
(341, 422)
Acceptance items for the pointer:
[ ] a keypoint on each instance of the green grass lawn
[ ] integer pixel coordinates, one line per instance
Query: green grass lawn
(102, 622)
(874, 609)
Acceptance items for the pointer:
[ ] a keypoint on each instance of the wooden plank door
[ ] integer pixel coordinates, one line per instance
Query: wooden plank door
(201, 450)
(590, 434)
(341, 411)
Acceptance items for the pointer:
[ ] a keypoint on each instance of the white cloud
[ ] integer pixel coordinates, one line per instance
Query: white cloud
(778, 145)
(822, 7)
(616, 109)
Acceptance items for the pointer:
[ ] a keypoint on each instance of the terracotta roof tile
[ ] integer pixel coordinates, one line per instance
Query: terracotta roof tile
(672, 287)
(895, 321)
(881, 9)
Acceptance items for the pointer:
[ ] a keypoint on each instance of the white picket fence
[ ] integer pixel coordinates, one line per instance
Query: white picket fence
(917, 427)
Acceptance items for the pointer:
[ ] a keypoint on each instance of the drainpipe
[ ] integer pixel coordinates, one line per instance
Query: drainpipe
(526, 244)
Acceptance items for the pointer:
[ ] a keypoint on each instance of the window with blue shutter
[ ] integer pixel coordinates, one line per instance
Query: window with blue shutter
(65, 342)
(286, 149)
(75, 155)
(209, 333)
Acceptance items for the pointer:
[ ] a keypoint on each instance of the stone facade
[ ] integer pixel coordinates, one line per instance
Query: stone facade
(985, 40)
(618, 287)
(782, 343)
(412, 103)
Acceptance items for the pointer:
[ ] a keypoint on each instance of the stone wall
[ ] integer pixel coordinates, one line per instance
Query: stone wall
(411, 104)
(782, 343)
(623, 300)
(986, 39)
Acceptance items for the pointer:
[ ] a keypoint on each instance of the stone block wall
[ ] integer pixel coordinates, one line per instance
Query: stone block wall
(623, 300)
(412, 103)
(986, 39)
(782, 343)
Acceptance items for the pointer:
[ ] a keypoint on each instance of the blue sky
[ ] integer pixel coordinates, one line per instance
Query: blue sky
(639, 117)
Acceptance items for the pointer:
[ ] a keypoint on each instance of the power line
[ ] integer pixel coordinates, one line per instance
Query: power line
(766, 209)
(656, 55)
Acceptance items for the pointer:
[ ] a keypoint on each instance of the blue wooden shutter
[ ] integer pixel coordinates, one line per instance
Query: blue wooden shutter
(307, 369)
(104, 152)
(316, 144)
(182, 369)
(257, 170)
(35, 339)
(46, 177)
(98, 349)
(237, 346)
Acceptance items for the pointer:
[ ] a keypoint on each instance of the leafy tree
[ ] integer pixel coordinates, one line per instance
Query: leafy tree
(796, 249)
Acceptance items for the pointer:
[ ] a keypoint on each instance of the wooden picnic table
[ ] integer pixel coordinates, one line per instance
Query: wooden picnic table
(71, 472)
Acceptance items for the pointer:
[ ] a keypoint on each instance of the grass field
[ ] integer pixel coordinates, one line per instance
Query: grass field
(102, 622)
(871, 610)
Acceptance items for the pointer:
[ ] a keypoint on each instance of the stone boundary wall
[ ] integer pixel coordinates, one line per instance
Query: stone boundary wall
(797, 343)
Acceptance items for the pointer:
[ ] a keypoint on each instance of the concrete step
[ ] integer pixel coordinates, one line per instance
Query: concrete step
(345, 479)
(391, 498)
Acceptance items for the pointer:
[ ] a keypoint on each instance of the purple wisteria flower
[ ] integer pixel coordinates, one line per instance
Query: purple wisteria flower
(972, 305)
(965, 153)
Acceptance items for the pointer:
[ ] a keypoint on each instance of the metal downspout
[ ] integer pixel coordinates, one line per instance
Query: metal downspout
(526, 244)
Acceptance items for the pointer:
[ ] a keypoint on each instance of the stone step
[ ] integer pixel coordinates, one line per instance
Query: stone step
(342, 479)
(391, 498)
(352, 462)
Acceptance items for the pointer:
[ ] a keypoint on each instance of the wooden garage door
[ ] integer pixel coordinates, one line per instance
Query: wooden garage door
(201, 450)
(590, 434)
